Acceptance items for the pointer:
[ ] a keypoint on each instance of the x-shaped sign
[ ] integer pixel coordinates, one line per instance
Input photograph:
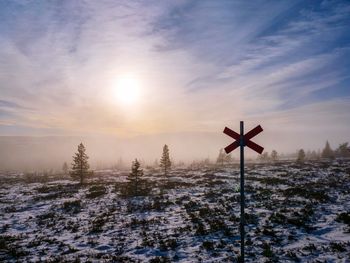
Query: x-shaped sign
(246, 139)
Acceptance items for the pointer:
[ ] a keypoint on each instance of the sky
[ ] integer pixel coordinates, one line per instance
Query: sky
(198, 66)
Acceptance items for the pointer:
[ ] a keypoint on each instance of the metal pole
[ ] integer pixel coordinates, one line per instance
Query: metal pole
(242, 189)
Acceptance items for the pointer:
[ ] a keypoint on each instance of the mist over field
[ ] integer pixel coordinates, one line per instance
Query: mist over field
(37, 153)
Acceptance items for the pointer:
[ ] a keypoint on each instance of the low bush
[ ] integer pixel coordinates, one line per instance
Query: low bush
(344, 218)
(168, 244)
(96, 191)
(338, 247)
(307, 193)
(208, 245)
(267, 251)
(160, 259)
(73, 206)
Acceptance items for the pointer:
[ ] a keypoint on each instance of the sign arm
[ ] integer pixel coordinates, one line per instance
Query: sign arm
(254, 146)
(253, 132)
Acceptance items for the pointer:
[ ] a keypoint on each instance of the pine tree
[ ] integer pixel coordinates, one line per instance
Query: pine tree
(134, 177)
(80, 165)
(274, 155)
(301, 156)
(165, 162)
(65, 168)
(327, 151)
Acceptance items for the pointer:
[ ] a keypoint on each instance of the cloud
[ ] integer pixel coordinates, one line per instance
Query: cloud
(10, 104)
(202, 64)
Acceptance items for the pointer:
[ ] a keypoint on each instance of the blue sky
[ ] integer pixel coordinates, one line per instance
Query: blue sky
(200, 65)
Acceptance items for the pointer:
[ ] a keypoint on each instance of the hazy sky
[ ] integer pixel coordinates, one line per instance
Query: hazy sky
(198, 66)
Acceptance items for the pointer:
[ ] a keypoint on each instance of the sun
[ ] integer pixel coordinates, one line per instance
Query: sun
(127, 90)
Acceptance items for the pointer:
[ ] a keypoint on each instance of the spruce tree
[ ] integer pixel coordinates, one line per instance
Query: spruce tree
(134, 178)
(165, 162)
(343, 150)
(301, 156)
(327, 151)
(80, 165)
(65, 168)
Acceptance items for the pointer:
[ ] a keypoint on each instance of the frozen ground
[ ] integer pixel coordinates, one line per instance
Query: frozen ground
(294, 213)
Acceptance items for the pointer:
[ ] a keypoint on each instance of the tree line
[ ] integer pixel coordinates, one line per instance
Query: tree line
(343, 151)
(80, 168)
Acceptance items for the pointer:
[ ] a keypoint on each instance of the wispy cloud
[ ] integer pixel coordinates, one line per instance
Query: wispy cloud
(202, 63)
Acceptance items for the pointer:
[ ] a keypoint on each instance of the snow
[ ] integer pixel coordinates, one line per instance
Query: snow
(195, 219)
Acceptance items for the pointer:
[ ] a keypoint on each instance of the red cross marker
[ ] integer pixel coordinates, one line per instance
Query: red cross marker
(243, 140)
(246, 139)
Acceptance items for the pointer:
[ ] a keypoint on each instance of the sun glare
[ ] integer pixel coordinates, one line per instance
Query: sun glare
(127, 90)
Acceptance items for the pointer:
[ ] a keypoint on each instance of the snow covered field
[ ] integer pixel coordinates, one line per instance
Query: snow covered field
(294, 213)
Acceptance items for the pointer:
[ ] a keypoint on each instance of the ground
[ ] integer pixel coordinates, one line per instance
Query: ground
(295, 213)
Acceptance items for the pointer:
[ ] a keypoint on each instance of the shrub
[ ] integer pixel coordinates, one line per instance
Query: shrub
(3, 243)
(48, 219)
(48, 215)
(337, 247)
(7, 245)
(98, 223)
(96, 191)
(169, 244)
(344, 218)
(217, 225)
(267, 251)
(200, 231)
(10, 209)
(73, 206)
(319, 195)
(160, 259)
(208, 245)
(278, 218)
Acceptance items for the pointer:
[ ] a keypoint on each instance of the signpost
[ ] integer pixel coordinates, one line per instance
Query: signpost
(242, 140)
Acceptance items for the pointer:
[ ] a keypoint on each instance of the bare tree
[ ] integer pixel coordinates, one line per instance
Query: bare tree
(274, 155)
(228, 158)
(221, 157)
(264, 157)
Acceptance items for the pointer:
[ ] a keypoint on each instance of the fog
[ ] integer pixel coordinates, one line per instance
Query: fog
(29, 153)
(50, 152)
